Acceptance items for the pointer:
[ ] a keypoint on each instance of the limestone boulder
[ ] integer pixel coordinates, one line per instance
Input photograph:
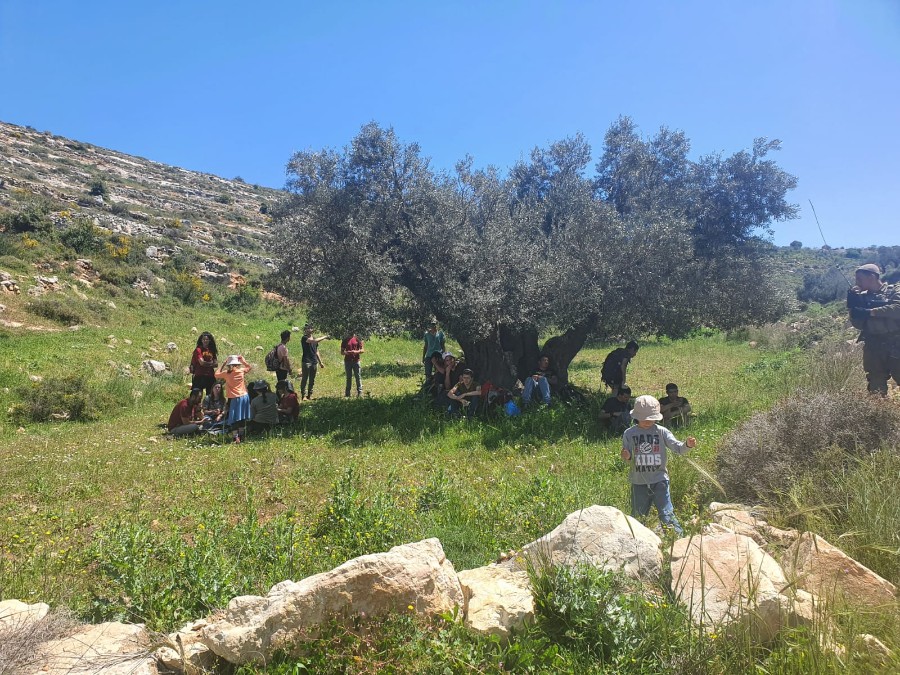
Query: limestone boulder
(601, 536)
(17, 615)
(154, 367)
(413, 577)
(727, 578)
(826, 571)
(498, 599)
(185, 651)
(103, 649)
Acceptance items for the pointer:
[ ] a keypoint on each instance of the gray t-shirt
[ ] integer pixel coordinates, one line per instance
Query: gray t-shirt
(264, 409)
(648, 453)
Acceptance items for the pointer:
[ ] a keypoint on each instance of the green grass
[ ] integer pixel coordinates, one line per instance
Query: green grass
(113, 520)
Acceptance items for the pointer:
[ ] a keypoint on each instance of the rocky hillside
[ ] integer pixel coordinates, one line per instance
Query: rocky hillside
(166, 207)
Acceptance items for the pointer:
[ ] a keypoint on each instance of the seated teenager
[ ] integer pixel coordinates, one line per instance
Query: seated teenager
(186, 417)
(543, 379)
(615, 413)
(263, 408)
(449, 375)
(214, 405)
(465, 395)
(288, 403)
(675, 409)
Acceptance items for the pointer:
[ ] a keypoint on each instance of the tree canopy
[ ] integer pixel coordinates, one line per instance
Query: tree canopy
(373, 239)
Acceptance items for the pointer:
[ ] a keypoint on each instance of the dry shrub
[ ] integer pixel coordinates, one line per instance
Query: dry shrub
(805, 434)
(21, 641)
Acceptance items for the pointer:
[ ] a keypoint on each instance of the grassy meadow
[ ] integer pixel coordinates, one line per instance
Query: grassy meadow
(114, 521)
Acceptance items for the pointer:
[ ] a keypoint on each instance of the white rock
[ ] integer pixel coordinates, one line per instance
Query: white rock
(104, 649)
(35, 378)
(171, 346)
(727, 578)
(498, 599)
(17, 615)
(604, 537)
(416, 576)
(154, 367)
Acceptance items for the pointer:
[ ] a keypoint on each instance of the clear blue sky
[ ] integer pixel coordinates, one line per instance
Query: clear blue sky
(233, 88)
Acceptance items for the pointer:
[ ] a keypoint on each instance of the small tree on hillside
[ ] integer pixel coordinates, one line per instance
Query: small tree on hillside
(371, 238)
(796, 245)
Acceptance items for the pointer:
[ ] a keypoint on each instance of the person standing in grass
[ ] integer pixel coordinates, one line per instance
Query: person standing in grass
(875, 310)
(281, 353)
(615, 366)
(233, 371)
(434, 343)
(351, 348)
(203, 363)
(312, 361)
(644, 447)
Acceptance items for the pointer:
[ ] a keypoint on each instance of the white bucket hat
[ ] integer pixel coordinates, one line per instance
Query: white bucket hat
(233, 361)
(646, 408)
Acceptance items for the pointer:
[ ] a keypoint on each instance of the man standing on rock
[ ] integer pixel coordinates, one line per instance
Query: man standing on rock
(875, 310)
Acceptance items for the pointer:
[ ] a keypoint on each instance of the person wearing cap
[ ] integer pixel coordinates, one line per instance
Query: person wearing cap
(615, 365)
(186, 417)
(288, 405)
(312, 361)
(614, 414)
(644, 448)
(675, 409)
(263, 408)
(233, 372)
(446, 380)
(874, 308)
(434, 344)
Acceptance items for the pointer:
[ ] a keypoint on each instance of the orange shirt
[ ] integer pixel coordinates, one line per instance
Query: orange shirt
(235, 387)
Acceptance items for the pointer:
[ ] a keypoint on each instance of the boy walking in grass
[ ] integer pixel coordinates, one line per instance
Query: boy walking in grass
(644, 447)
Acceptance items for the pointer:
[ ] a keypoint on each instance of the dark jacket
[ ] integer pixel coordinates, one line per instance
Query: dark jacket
(884, 320)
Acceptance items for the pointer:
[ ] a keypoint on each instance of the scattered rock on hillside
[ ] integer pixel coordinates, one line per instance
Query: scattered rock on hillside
(412, 577)
(498, 599)
(171, 347)
(154, 367)
(826, 571)
(604, 537)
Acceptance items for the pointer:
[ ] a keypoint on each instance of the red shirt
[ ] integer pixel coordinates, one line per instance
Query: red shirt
(199, 359)
(352, 344)
(290, 405)
(183, 410)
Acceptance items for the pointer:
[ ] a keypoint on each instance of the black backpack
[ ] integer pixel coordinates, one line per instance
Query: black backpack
(272, 360)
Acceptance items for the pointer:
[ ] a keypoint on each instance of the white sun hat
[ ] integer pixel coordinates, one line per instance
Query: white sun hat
(646, 408)
(235, 360)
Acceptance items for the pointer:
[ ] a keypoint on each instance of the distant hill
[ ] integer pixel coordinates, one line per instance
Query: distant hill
(170, 207)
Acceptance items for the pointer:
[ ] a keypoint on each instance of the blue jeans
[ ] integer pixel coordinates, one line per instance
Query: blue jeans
(456, 408)
(351, 369)
(657, 494)
(542, 385)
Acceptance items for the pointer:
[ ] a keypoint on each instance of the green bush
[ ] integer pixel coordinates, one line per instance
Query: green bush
(32, 218)
(187, 288)
(67, 398)
(243, 298)
(57, 309)
(82, 236)
(98, 188)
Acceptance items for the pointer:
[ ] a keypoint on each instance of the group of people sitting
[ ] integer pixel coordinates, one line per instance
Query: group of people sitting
(231, 403)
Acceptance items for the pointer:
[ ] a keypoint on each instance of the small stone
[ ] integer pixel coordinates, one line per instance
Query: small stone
(35, 378)
(171, 347)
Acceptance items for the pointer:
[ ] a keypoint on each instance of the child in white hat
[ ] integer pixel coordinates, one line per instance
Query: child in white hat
(644, 446)
(233, 371)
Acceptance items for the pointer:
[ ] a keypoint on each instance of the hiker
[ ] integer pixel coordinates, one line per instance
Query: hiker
(465, 395)
(186, 417)
(351, 348)
(644, 447)
(288, 405)
(233, 371)
(281, 356)
(875, 310)
(434, 344)
(263, 408)
(614, 413)
(203, 363)
(214, 404)
(543, 379)
(616, 364)
(675, 409)
(312, 361)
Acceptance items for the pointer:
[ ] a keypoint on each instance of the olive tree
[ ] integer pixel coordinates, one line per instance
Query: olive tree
(373, 239)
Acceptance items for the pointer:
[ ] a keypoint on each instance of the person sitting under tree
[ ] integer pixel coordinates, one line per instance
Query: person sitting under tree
(675, 409)
(543, 379)
(465, 395)
(614, 413)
